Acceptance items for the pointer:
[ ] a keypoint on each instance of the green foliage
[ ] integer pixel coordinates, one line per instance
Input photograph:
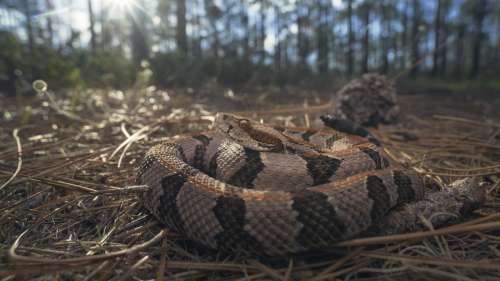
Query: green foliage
(59, 68)
(423, 85)
(11, 59)
(173, 69)
(306, 47)
(10, 52)
(237, 71)
(176, 69)
(107, 69)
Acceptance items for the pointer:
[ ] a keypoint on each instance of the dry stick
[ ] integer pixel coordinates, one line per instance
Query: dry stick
(59, 183)
(137, 136)
(153, 127)
(68, 185)
(65, 184)
(492, 167)
(249, 277)
(269, 271)
(417, 235)
(160, 274)
(344, 271)
(448, 275)
(189, 275)
(128, 142)
(362, 261)
(19, 158)
(108, 271)
(338, 263)
(53, 104)
(307, 122)
(132, 269)
(95, 271)
(21, 201)
(288, 271)
(295, 109)
(435, 261)
(46, 251)
(123, 190)
(39, 269)
(467, 121)
(35, 146)
(458, 175)
(56, 167)
(212, 266)
(297, 268)
(477, 221)
(24, 260)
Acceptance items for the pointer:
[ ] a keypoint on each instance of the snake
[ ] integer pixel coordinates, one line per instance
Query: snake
(253, 188)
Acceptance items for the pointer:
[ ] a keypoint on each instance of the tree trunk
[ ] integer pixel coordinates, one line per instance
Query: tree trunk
(496, 61)
(93, 43)
(366, 38)
(50, 29)
(285, 53)
(459, 50)
(301, 38)
(277, 50)
(180, 29)
(262, 33)
(479, 14)
(350, 59)
(394, 39)
(29, 25)
(322, 38)
(404, 37)
(26, 9)
(386, 32)
(213, 12)
(444, 47)
(246, 38)
(331, 36)
(196, 49)
(437, 42)
(415, 38)
(139, 38)
(106, 34)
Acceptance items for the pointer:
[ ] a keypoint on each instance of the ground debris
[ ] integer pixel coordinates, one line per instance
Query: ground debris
(367, 101)
(438, 208)
(72, 200)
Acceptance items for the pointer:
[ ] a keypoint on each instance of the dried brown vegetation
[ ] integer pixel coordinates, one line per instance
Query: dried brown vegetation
(69, 209)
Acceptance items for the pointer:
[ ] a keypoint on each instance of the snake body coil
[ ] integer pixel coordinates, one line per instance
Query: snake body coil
(271, 190)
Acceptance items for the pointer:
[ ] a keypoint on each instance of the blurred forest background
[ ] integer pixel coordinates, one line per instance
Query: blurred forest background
(113, 43)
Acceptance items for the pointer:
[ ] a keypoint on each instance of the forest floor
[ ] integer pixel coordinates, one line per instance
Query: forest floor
(70, 209)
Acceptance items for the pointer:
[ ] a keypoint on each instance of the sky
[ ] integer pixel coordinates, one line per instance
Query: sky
(74, 14)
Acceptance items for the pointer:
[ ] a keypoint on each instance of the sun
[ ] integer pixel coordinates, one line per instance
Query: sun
(124, 8)
(124, 5)
(121, 7)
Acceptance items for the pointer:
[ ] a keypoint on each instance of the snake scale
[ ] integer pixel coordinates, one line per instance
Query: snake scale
(272, 190)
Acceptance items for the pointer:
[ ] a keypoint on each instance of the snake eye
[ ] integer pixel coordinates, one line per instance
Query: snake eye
(244, 123)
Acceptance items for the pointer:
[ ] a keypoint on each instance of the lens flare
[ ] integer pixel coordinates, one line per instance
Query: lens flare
(123, 5)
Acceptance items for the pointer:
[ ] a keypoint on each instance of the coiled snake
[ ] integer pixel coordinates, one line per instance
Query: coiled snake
(272, 190)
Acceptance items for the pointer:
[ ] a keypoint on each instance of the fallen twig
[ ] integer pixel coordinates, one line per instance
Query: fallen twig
(19, 159)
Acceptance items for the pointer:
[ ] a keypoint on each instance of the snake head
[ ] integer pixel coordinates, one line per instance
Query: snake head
(248, 133)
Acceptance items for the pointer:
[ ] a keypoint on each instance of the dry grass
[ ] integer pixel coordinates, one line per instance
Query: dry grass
(69, 208)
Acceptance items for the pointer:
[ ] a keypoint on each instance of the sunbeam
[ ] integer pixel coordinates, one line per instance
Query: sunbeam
(120, 8)
(123, 5)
